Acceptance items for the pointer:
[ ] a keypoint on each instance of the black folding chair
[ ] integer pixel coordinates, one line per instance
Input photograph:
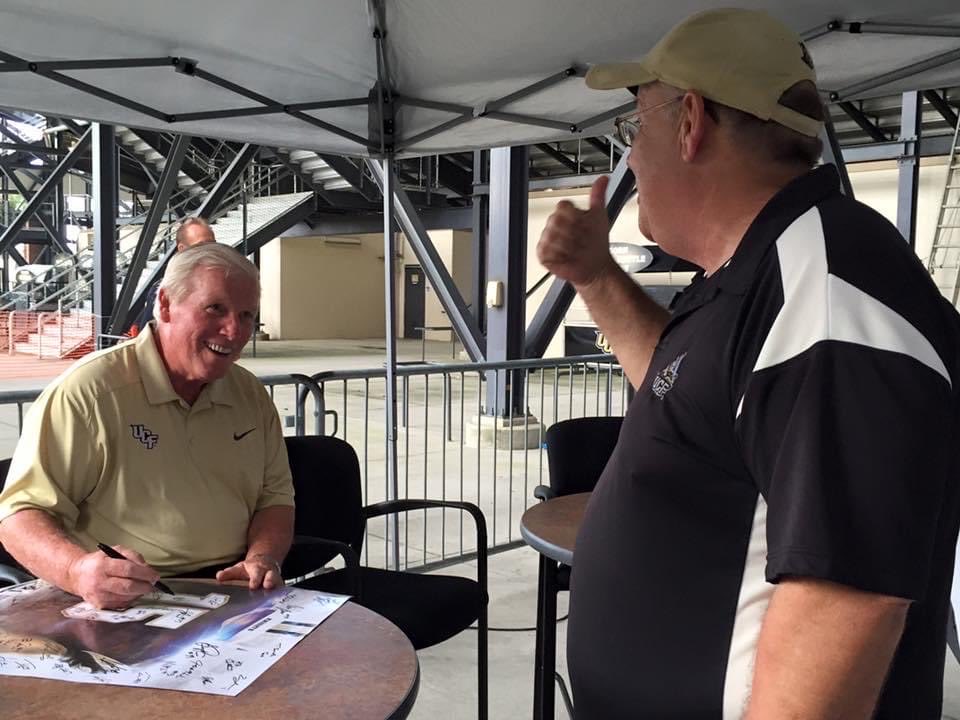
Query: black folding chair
(11, 572)
(329, 508)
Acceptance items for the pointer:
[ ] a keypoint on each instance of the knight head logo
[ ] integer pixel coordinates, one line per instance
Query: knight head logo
(666, 378)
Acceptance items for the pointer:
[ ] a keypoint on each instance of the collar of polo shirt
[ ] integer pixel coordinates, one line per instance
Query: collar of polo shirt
(156, 381)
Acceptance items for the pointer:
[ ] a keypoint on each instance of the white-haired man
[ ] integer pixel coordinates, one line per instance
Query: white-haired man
(161, 447)
(773, 536)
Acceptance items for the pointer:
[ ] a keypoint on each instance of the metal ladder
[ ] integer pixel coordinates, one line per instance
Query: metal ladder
(944, 262)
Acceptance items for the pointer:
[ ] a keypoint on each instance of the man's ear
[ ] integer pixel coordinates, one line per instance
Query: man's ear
(693, 120)
(163, 299)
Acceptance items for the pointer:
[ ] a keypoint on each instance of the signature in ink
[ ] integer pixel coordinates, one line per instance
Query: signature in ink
(237, 679)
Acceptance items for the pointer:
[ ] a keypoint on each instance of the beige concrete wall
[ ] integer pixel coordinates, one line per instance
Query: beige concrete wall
(319, 287)
(876, 185)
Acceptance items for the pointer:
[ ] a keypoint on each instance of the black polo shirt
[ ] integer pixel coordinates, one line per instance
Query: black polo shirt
(799, 418)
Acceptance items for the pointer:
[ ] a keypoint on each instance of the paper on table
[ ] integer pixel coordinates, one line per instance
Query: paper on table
(196, 640)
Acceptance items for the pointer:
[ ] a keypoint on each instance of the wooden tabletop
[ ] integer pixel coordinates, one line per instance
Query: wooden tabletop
(356, 664)
(551, 527)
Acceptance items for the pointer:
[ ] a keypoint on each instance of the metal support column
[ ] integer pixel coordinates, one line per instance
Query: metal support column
(56, 238)
(105, 190)
(909, 166)
(390, 336)
(120, 319)
(5, 199)
(59, 206)
(507, 268)
(211, 203)
(481, 218)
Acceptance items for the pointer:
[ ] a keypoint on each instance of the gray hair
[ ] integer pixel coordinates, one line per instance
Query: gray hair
(177, 280)
(189, 222)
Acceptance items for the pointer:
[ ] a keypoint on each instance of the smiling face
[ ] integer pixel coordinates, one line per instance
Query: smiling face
(202, 333)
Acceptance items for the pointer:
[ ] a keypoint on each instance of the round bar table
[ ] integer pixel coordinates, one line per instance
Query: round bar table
(356, 664)
(551, 529)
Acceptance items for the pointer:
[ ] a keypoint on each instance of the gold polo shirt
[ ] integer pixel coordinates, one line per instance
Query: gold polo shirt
(118, 457)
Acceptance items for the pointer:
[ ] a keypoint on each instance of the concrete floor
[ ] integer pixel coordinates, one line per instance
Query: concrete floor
(448, 686)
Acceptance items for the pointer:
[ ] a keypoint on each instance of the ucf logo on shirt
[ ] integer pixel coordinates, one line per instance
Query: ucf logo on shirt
(146, 437)
(665, 379)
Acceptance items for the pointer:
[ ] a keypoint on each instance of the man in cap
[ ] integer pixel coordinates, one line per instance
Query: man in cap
(774, 534)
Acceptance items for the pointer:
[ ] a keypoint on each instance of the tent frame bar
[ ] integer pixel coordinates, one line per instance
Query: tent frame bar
(904, 72)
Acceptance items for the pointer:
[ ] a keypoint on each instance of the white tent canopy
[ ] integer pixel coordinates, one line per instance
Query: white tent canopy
(470, 55)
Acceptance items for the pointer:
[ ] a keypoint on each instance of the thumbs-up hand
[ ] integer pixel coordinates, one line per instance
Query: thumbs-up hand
(575, 244)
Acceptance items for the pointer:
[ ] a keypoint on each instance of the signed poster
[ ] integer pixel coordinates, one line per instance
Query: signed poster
(206, 638)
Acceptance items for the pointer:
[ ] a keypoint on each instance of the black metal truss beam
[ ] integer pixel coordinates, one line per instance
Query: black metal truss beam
(43, 68)
(351, 173)
(16, 64)
(941, 105)
(899, 74)
(272, 109)
(32, 148)
(560, 157)
(186, 66)
(256, 240)
(492, 109)
(211, 203)
(326, 223)
(35, 237)
(454, 177)
(268, 102)
(7, 132)
(865, 124)
(880, 28)
(896, 149)
(605, 146)
(105, 198)
(160, 144)
(450, 298)
(120, 319)
(54, 236)
(7, 238)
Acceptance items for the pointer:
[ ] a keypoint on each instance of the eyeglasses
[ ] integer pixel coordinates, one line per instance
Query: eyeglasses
(629, 125)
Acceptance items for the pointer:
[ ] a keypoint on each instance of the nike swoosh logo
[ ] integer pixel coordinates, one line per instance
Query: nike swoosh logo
(241, 436)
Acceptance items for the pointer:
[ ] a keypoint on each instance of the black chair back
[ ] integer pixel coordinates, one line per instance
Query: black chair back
(326, 480)
(13, 571)
(578, 450)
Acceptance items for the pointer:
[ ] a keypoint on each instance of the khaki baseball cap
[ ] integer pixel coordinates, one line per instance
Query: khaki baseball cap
(745, 59)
